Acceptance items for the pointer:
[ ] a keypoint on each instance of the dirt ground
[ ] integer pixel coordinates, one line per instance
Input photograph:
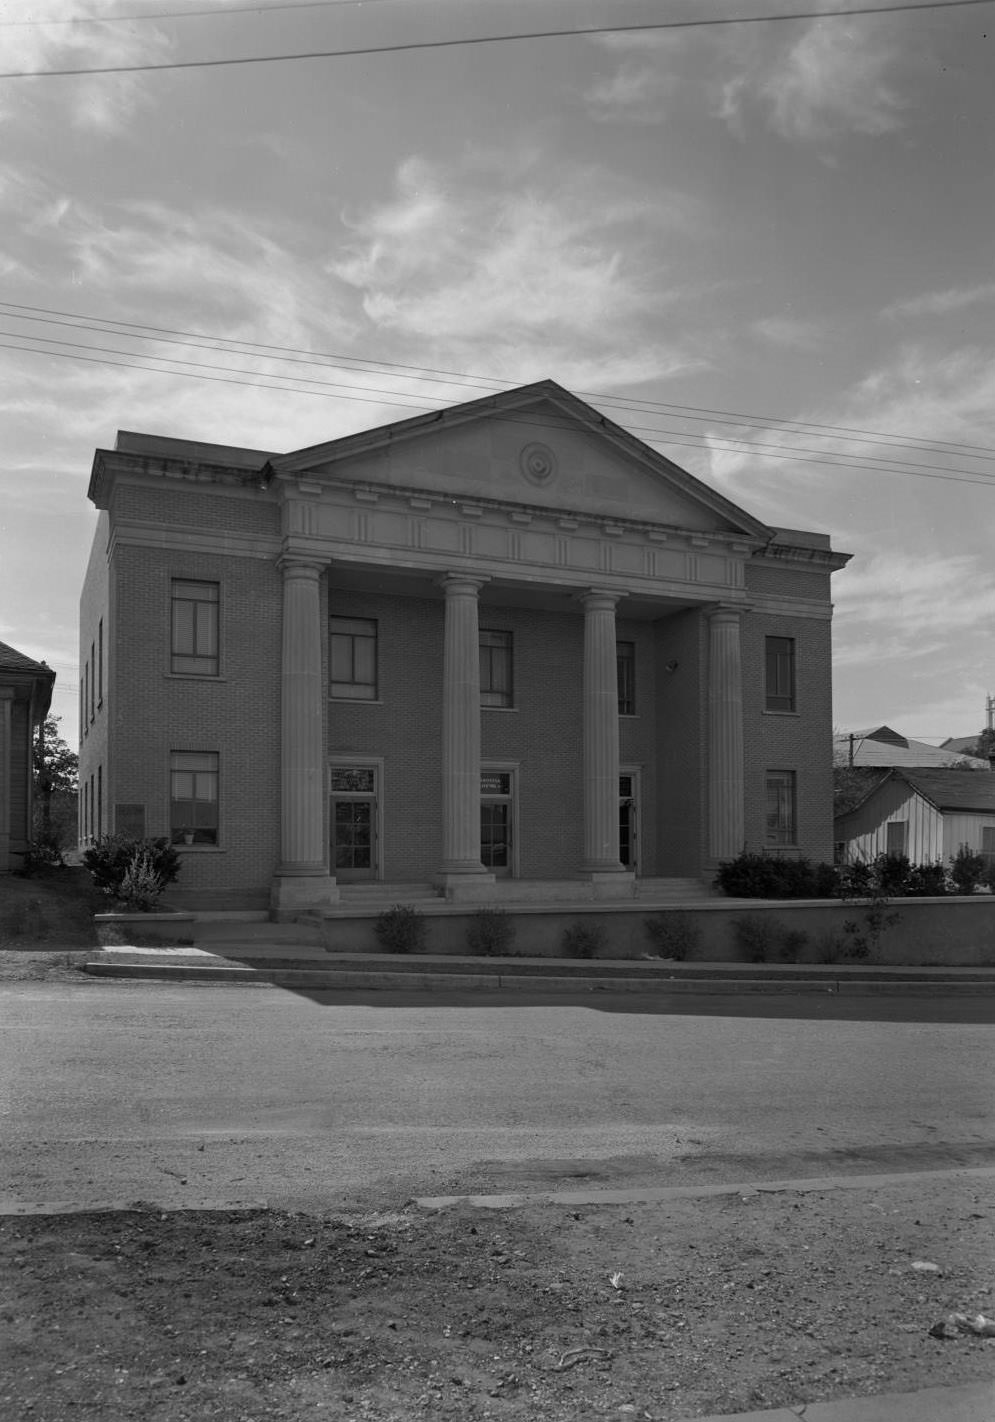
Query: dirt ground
(652, 1311)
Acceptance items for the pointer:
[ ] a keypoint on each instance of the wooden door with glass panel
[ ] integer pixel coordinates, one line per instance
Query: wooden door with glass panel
(496, 821)
(354, 822)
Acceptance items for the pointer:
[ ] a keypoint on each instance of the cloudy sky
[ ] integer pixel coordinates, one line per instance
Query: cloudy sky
(766, 248)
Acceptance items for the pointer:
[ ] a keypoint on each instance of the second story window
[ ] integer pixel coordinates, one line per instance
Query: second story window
(625, 662)
(495, 669)
(353, 658)
(194, 628)
(779, 681)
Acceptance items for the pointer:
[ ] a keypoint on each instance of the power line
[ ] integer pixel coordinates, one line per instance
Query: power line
(434, 375)
(411, 45)
(216, 13)
(670, 438)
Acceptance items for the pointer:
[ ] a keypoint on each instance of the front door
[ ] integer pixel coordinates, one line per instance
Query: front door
(354, 822)
(496, 821)
(628, 822)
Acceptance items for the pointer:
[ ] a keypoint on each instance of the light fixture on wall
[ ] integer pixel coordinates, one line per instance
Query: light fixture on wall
(672, 666)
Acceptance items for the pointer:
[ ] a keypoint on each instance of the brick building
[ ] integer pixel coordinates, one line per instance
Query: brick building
(498, 647)
(25, 697)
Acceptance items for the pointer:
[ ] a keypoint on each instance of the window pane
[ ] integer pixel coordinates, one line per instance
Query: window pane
(625, 663)
(781, 807)
(183, 628)
(341, 658)
(495, 668)
(206, 629)
(357, 781)
(193, 807)
(780, 673)
(365, 660)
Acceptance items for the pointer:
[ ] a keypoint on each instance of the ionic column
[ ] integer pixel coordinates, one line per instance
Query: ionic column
(726, 818)
(600, 743)
(302, 879)
(461, 736)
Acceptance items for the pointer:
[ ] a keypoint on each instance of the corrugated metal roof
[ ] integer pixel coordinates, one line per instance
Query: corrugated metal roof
(873, 749)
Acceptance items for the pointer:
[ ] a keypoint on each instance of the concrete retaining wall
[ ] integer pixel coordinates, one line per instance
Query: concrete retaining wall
(956, 932)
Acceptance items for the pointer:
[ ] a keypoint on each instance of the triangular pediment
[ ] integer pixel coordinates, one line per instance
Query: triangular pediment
(537, 446)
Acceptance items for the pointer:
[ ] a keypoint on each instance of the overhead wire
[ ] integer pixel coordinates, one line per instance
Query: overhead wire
(663, 438)
(434, 375)
(475, 40)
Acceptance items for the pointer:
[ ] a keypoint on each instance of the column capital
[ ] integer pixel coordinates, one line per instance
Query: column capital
(600, 599)
(728, 612)
(295, 565)
(461, 584)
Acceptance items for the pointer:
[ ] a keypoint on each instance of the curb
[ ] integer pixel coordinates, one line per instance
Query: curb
(972, 1402)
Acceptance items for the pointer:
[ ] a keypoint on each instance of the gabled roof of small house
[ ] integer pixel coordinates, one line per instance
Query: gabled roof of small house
(13, 660)
(954, 789)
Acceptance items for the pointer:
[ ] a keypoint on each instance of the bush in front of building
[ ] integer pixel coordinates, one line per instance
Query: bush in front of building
(401, 929)
(583, 940)
(968, 870)
(765, 939)
(774, 876)
(673, 935)
(490, 933)
(123, 868)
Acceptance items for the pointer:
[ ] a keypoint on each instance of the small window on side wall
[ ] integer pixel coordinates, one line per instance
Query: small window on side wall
(779, 682)
(625, 664)
(781, 808)
(495, 669)
(194, 628)
(193, 797)
(353, 658)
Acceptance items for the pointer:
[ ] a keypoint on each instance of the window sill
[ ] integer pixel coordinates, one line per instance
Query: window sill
(355, 701)
(505, 709)
(767, 712)
(192, 676)
(199, 848)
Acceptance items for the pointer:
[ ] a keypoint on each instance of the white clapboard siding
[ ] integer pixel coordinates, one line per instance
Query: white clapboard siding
(964, 827)
(865, 829)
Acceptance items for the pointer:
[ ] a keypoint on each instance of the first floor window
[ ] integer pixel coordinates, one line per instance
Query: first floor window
(781, 811)
(495, 669)
(625, 662)
(353, 658)
(194, 628)
(988, 846)
(193, 797)
(897, 837)
(780, 674)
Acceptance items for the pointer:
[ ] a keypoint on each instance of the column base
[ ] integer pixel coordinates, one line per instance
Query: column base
(470, 884)
(298, 892)
(612, 883)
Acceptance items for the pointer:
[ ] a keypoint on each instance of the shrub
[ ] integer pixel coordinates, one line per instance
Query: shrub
(855, 879)
(674, 935)
(110, 858)
(967, 869)
(755, 936)
(891, 872)
(401, 929)
(764, 938)
(926, 881)
(490, 932)
(141, 886)
(583, 940)
(773, 876)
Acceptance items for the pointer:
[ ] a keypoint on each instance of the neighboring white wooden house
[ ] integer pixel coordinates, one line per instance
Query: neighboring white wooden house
(925, 814)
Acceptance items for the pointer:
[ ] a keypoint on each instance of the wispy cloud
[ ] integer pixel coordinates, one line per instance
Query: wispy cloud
(73, 37)
(521, 278)
(832, 80)
(635, 93)
(941, 303)
(790, 332)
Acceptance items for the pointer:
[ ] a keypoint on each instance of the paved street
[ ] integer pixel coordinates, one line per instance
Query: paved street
(141, 1091)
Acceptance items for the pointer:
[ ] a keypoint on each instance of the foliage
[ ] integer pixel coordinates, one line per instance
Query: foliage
(141, 886)
(774, 876)
(967, 870)
(852, 784)
(764, 939)
(862, 937)
(928, 881)
(110, 858)
(674, 935)
(56, 775)
(583, 940)
(401, 929)
(891, 872)
(490, 932)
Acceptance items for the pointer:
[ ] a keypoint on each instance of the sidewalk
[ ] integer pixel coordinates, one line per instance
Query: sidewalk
(975, 1402)
(302, 965)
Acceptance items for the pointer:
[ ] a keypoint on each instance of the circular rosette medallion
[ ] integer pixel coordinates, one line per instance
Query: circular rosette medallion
(538, 464)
